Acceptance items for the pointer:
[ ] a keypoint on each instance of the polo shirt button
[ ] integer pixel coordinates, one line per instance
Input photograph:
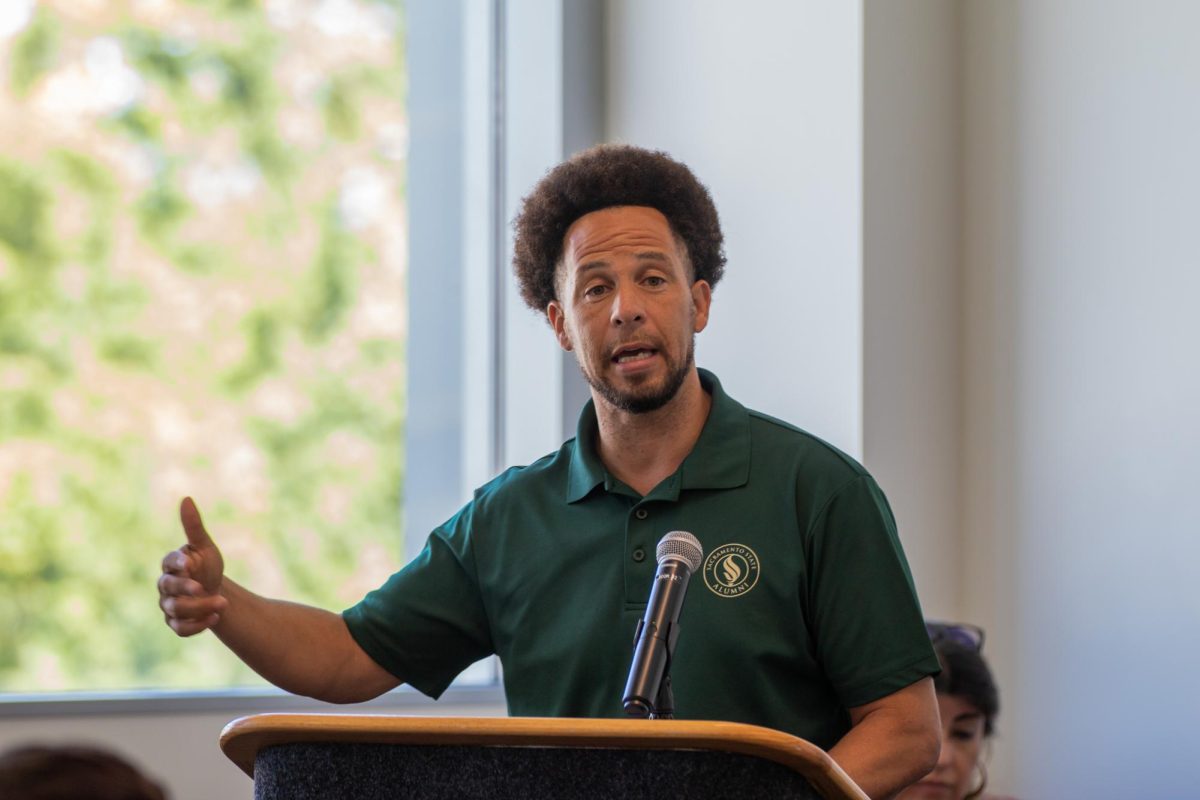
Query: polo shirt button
(639, 555)
(641, 513)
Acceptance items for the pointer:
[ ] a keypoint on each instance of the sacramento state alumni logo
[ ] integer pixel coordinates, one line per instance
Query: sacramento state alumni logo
(731, 570)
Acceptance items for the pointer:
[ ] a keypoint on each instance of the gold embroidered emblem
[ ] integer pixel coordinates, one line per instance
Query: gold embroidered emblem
(731, 570)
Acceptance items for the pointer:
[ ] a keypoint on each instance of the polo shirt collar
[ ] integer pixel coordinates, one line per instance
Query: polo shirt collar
(720, 458)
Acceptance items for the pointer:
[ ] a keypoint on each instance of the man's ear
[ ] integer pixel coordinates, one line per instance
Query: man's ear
(701, 300)
(558, 320)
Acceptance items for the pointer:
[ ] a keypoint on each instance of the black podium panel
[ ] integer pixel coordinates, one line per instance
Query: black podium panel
(319, 771)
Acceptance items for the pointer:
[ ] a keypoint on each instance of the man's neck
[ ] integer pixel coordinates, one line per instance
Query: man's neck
(641, 450)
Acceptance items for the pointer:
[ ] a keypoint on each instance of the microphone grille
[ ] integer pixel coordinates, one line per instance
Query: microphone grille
(681, 545)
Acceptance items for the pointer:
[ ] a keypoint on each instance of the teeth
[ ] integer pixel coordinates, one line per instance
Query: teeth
(633, 356)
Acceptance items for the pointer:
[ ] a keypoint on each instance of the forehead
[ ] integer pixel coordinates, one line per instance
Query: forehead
(615, 230)
(952, 707)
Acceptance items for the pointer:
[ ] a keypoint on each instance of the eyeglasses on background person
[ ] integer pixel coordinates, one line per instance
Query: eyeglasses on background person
(969, 636)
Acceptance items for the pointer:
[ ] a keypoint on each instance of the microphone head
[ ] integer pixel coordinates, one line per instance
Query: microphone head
(680, 545)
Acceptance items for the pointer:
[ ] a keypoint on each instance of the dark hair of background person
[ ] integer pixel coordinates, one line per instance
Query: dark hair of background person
(966, 675)
(72, 772)
(607, 176)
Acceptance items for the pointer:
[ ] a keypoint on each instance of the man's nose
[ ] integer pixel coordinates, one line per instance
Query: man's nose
(626, 307)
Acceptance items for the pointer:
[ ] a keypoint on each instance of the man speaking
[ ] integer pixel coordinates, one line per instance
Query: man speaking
(802, 615)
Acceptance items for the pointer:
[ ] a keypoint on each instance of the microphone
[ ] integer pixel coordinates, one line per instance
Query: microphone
(679, 555)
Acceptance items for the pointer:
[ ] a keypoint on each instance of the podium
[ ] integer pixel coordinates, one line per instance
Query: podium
(318, 756)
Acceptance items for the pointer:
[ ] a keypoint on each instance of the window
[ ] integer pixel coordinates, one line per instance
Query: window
(207, 247)
(202, 291)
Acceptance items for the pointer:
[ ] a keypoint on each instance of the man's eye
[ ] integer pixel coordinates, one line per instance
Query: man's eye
(656, 280)
(594, 291)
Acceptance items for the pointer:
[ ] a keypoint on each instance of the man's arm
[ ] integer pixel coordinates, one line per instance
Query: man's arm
(300, 649)
(893, 741)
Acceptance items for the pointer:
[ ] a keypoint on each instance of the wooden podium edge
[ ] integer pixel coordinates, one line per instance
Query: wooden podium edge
(244, 737)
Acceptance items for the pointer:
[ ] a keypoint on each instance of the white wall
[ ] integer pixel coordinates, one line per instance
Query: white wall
(989, 503)
(912, 370)
(1083, 265)
(762, 100)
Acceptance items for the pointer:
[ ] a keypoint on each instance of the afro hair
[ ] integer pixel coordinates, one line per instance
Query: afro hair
(606, 176)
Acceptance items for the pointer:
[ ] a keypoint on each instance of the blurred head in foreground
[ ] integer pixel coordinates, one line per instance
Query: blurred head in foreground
(968, 703)
(72, 772)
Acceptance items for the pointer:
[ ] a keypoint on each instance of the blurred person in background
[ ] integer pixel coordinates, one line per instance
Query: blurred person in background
(72, 772)
(968, 702)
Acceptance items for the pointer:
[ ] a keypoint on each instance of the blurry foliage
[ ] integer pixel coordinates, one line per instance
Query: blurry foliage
(261, 330)
(90, 179)
(159, 58)
(34, 52)
(180, 312)
(330, 281)
(161, 209)
(24, 206)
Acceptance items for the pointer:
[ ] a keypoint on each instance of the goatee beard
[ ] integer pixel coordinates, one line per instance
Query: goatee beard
(645, 403)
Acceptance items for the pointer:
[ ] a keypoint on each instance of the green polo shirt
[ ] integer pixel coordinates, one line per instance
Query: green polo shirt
(804, 606)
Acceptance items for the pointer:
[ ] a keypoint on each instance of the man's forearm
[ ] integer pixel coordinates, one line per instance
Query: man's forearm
(883, 759)
(299, 648)
(893, 742)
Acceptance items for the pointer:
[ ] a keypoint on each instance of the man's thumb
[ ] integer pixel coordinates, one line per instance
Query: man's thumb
(193, 527)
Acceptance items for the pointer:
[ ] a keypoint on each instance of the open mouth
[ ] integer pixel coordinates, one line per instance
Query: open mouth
(627, 355)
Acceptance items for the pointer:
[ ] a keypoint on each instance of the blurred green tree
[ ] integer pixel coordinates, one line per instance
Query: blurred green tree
(202, 287)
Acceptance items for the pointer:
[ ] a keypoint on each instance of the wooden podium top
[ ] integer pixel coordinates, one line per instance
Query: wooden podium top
(243, 738)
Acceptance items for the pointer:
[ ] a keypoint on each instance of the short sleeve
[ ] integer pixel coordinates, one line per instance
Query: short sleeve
(427, 623)
(869, 631)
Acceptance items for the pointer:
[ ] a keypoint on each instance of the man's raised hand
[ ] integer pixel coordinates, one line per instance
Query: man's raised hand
(190, 584)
